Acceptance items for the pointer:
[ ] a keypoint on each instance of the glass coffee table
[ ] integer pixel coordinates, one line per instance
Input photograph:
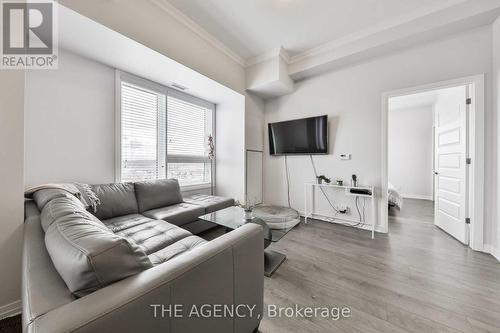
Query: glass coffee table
(234, 217)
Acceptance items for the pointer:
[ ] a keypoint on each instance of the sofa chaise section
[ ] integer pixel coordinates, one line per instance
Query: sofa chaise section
(178, 214)
(211, 203)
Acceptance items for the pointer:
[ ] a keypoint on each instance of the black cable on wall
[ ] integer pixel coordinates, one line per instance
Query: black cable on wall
(287, 181)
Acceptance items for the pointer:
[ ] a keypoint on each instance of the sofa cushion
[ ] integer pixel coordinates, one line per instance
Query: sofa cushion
(156, 194)
(154, 235)
(179, 247)
(86, 254)
(117, 199)
(210, 202)
(116, 224)
(42, 197)
(178, 214)
(63, 208)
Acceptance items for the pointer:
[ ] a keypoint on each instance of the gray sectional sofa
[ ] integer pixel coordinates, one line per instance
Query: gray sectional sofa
(113, 269)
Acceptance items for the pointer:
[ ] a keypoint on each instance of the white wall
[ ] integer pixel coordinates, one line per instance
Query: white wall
(70, 122)
(410, 151)
(254, 120)
(351, 97)
(11, 188)
(230, 150)
(494, 201)
(254, 140)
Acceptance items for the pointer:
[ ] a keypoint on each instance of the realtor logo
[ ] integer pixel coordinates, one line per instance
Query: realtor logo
(28, 35)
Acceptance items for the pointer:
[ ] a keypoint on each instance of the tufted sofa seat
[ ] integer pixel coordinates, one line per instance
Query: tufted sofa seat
(179, 213)
(154, 235)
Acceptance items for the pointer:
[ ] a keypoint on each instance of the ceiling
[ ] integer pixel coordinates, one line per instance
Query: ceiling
(253, 27)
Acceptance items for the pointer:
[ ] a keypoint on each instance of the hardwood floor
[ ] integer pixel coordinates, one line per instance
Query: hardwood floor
(415, 210)
(11, 325)
(414, 279)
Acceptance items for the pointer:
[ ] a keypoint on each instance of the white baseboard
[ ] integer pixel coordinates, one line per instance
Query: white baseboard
(10, 310)
(417, 196)
(320, 217)
(495, 252)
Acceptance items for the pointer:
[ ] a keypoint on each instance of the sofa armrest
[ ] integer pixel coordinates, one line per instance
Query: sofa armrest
(228, 270)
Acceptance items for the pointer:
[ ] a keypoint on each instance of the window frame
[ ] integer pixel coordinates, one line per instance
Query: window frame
(120, 77)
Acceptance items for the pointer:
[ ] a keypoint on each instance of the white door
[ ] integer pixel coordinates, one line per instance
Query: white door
(451, 170)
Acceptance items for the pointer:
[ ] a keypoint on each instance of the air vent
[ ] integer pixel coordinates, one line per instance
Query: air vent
(178, 86)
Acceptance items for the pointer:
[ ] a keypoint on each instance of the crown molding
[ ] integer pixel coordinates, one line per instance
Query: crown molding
(366, 33)
(168, 8)
(284, 55)
(279, 52)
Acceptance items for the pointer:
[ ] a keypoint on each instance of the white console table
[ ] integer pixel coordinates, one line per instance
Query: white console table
(309, 189)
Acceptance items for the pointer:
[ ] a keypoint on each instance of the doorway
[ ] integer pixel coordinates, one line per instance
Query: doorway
(433, 157)
(427, 147)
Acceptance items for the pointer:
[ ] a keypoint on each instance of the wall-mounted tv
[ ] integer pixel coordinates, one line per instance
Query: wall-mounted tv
(301, 136)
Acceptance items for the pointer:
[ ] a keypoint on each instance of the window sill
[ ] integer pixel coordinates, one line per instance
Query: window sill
(195, 187)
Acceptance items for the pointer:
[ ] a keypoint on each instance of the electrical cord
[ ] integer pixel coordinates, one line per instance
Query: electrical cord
(357, 208)
(287, 181)
(364, 203)
(322, 190)
(361, 219)
(362, 216)
(331, 204)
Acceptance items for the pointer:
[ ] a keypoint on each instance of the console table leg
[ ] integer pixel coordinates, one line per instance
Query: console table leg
(374, 215)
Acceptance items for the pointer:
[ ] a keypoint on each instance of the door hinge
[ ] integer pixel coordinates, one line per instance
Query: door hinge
(468, 160)
(468, 101)
(467, 220)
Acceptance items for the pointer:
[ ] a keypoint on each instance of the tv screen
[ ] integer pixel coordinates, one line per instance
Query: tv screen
(300, 136)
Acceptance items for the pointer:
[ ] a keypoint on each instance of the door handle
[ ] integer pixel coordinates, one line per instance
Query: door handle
(436, 173)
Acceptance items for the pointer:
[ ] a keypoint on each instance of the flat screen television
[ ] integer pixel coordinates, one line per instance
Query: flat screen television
(301, 136)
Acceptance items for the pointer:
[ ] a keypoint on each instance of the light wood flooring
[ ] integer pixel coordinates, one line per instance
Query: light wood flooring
(414, 279)
(420, 211)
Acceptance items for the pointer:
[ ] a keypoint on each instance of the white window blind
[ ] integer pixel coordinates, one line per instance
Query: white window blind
(164, 134)
(188, 126)
(142, 134)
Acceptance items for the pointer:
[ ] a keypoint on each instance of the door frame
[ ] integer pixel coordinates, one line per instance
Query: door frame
(476, 152)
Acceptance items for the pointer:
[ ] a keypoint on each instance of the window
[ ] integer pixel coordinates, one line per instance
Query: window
(188, 126)
(163, 133)
(142, 156)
